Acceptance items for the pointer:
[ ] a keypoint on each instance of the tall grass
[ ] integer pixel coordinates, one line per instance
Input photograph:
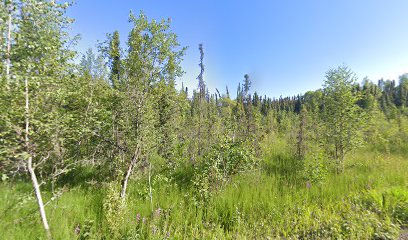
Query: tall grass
(368, 200)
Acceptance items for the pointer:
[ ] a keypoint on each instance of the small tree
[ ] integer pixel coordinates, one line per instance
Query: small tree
(153, 59)
(114, 59)
(341, 115)
(37, 127)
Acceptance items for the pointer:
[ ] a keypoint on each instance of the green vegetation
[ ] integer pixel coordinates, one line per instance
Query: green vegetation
(368, 200)
(109, 148)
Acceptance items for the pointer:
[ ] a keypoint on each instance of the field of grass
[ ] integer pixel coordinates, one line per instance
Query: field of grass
(369, 200)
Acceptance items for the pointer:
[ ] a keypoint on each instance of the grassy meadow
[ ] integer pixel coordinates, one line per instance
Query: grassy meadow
(369, 200)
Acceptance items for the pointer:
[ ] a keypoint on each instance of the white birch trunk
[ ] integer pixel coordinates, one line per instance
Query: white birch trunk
(30, 165)
(128, 173)
(126, 180)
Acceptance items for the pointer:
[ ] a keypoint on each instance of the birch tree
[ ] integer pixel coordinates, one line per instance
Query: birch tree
(153, 56)
(341, 114)
(37, 130)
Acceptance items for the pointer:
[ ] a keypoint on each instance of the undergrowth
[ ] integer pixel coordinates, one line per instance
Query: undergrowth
(369, 200)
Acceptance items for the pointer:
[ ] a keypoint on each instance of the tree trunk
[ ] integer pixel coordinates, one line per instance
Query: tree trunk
(38, 197)
(30, 164)
(129, 173)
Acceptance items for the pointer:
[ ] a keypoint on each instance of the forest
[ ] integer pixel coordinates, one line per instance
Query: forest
(110, 147)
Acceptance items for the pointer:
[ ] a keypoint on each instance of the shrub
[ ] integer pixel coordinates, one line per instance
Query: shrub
(113, 209)
(223, 161)
(315, 167)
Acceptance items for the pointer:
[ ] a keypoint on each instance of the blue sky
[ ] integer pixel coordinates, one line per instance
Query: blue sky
(286, 46)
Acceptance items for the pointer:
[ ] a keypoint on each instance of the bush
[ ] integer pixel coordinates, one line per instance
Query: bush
(315, 167)
(114, 210)
(223, 161)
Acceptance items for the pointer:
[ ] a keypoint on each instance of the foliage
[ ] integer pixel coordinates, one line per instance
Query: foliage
(342, 116)
(194, 164)
(363, 205)
(221, 163)
(113, 210)
(85, 231)
(316, 167)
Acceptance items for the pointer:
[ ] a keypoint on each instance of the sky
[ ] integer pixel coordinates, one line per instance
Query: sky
(286, 46)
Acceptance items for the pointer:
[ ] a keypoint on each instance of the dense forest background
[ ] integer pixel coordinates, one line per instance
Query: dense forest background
(111, 148)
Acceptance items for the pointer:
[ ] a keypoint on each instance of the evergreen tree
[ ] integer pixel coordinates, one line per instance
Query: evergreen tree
(114, 57)
(201, 83)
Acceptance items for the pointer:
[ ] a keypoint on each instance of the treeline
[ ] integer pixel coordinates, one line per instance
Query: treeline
(119, 112)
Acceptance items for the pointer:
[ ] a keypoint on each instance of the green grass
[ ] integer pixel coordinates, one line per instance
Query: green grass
(369, 200)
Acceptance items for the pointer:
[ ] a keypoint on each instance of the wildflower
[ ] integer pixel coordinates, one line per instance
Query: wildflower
(77, 229)
(137, 217)
(158, 212)
(154, 229)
